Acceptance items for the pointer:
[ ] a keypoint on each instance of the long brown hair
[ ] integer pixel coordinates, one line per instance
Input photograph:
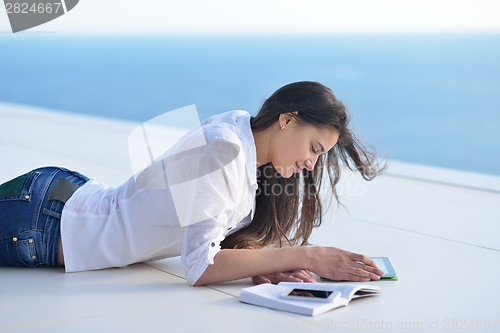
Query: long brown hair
(278, 200)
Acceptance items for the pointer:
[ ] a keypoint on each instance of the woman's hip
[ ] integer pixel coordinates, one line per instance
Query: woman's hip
(30, 213)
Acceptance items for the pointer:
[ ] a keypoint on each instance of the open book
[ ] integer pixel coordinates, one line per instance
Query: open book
(268, 295)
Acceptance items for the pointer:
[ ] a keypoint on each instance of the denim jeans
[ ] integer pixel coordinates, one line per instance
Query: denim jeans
(29, 220)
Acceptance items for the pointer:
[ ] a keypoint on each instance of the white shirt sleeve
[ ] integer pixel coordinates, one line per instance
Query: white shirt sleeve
(219, 202)
(201, 244)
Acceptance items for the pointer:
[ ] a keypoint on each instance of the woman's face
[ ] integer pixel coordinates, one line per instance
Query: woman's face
(298, 146)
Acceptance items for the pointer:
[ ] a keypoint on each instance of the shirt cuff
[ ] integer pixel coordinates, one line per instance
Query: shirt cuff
(199, 267)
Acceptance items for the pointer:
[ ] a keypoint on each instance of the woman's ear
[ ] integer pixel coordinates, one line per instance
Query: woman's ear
(285, 118)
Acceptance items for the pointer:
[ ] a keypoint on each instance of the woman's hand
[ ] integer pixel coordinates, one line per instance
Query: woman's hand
(339, 265)
(301, 275)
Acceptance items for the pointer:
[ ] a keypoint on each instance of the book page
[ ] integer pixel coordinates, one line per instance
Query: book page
(347, 290)
(272, 291)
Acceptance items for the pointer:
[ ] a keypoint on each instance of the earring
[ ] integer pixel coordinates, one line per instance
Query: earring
(283, 126)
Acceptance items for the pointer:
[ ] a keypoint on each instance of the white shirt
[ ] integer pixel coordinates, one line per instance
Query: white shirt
(103, 227)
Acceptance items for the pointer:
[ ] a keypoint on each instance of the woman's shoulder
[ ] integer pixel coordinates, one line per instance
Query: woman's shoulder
(227, 117)
(226, 126)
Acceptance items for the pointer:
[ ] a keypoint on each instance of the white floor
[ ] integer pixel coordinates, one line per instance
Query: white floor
(439, 227)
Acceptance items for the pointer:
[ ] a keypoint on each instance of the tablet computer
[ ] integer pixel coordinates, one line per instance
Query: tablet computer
(385, 264)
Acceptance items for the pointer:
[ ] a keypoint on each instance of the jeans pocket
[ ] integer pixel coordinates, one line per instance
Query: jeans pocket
(19, 188)
(26, 251)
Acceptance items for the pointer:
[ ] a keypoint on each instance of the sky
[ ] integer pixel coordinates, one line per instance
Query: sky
(272, 16)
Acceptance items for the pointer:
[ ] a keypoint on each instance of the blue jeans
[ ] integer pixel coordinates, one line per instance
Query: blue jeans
(30, 219)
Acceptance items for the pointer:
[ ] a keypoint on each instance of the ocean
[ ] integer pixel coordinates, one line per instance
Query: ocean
(426, 99)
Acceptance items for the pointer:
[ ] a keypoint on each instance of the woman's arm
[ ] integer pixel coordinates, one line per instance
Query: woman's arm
(301, 275)
(329, 262)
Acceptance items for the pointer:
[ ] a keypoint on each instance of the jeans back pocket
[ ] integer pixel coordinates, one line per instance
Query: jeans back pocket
(26, 251)
(19, 188)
